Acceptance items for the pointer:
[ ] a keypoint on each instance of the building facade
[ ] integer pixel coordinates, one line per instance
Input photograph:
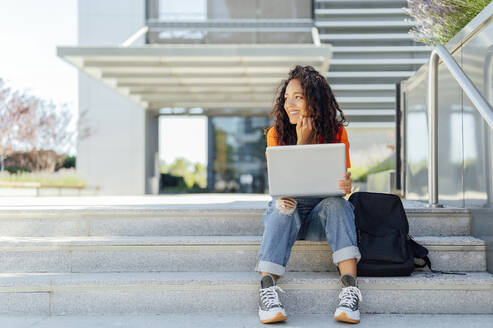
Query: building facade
(122, 154)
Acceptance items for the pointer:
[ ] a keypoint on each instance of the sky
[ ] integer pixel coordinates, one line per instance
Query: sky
(30, 30)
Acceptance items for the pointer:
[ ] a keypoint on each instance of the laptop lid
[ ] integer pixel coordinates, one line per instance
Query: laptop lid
(306, 170)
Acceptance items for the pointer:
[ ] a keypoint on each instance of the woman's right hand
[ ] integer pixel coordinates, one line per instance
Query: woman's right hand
(286, 204)
(304, 130)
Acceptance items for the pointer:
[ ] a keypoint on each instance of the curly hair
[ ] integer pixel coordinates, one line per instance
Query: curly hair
(320, 101)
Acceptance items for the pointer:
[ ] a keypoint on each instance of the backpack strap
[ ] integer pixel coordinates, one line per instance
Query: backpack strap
(421, 252)
(428, 264)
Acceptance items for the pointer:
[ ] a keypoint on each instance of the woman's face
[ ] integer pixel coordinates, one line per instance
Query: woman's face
(294, 101)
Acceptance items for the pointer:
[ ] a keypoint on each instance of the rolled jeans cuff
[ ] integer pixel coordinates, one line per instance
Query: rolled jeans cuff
(270, 267)
(346, 253)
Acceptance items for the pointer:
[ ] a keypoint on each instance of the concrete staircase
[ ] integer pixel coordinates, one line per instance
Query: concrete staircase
(199, 260)
(372, 51)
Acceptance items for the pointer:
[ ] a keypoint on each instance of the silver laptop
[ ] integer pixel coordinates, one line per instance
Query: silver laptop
(306, 170)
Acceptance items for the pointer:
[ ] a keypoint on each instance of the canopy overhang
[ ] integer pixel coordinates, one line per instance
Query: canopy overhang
(205, 79)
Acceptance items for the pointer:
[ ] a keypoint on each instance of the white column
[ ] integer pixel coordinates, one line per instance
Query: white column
(114, 156)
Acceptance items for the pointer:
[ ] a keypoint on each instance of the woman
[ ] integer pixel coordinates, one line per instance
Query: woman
(306, 112)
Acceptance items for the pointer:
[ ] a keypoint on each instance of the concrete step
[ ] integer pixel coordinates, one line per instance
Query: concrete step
(330, 37)
(381, 49)
(364, 100)
(369, 18)
(324, 24)
(365, 39)
(369, 74)
(366, 93)
(358, 4)
(378, 76)
(373, 62)
(199, 253)
(363, 90)
(249, 320)
(361, 112)
(363, 87)
(362, 2)
(195, 219)
(363, 14)
(396, 55)
(360, 11)
(232, 218)
(235, 292)
(370, 106)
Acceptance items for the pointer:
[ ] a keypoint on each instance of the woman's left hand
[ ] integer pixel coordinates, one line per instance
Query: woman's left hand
(345, 183)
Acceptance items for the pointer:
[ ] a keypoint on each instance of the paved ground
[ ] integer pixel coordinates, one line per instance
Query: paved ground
(247, 321)
(161, 201)
(185, 200)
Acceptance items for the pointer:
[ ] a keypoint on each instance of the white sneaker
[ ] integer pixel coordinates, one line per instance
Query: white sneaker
(270, 307)
(347, 310)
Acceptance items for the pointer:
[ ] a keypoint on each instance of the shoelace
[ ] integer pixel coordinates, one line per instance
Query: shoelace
(349, 296)
(269, 296)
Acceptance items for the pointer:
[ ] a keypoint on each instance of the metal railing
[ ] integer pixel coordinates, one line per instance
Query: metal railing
(235, 25)
(229, 25)
(482, 105)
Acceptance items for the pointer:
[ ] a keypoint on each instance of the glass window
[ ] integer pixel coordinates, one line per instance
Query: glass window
(202, 10)
(189, 10)
(239, 154)
(172, 10)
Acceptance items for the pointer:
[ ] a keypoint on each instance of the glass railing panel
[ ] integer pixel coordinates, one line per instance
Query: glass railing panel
(450, 156)
(416, 139)
(477, 63)
(450, 136)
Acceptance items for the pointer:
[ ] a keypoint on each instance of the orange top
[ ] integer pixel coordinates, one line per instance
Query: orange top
(341, 137)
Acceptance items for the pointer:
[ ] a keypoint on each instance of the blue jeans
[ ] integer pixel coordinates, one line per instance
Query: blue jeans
(316, 219)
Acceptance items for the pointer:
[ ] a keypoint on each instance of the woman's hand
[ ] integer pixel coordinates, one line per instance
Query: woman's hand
(304, 130)
(286, 205)
(345, 183)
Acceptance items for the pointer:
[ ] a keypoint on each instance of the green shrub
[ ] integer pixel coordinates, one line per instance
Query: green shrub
(193, 177)
(440, 20)
(69, 162)
(360, 174)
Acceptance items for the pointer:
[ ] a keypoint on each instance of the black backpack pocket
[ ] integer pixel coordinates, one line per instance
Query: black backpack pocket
(387, 248)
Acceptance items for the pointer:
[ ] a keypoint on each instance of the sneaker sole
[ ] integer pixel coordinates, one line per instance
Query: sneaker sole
(344, 318)
(277, 318)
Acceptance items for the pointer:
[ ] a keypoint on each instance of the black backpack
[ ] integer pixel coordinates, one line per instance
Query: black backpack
(384, 242)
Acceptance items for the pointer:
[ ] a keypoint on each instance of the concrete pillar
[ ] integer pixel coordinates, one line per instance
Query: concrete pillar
(210, 155)
(114, 156)
(152, 152)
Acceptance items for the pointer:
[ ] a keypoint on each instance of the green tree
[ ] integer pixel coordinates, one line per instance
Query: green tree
(180, 167)
(194, 175)
(200, 175)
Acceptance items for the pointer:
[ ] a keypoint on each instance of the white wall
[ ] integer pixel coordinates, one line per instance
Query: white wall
(114, 156)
